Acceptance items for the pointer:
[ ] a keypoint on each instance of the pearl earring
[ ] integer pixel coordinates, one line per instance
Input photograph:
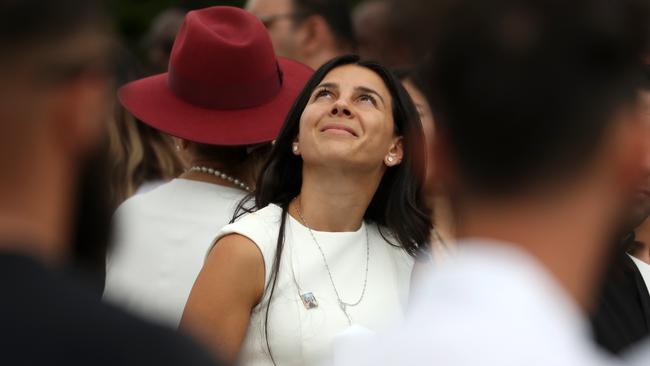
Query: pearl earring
(294, 148)
(390, 159)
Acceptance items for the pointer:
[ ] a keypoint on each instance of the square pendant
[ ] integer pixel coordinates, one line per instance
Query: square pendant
(309, 300)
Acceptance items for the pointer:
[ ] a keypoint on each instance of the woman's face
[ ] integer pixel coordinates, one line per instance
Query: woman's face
(348, 122)
(426, 117)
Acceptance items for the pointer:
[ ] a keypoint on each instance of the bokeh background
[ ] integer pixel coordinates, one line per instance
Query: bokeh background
(133, 17)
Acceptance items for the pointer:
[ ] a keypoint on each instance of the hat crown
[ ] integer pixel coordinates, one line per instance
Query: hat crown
(225, 86)
(223, 58)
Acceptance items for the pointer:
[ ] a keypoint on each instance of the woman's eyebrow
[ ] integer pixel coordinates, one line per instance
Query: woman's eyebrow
(365, 89)
(328, 85)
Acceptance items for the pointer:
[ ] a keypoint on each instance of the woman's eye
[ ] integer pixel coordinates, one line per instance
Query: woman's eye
(367, 99)
(322, 93)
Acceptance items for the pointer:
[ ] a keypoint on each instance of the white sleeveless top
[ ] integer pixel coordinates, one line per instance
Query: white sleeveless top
(160, 243)
(301, 336)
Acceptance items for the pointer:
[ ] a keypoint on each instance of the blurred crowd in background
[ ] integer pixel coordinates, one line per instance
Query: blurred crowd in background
(307, 182)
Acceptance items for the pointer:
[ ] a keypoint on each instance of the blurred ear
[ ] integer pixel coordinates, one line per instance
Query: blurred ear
(621, 164)
(79, 110)
(625, 148)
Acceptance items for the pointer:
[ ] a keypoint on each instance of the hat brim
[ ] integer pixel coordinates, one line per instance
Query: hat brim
(151, 101)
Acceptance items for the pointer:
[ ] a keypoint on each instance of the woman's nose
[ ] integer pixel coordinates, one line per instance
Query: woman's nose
(341, 109)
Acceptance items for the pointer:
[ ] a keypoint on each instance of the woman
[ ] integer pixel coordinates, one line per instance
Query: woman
(224, 113)
(336, 222)
(443, 233)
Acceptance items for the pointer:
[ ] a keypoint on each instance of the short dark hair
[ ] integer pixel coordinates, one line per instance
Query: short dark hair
(26, 20)
(335, 12)
(31, 25)
(524, 90)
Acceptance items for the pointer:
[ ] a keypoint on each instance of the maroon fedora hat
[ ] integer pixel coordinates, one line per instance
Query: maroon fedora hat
(224, 86)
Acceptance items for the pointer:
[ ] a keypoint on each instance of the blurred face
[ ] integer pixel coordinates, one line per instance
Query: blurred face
(370, 30)
(644, 190)
(348, 122)
(277, 17)
(426, 117)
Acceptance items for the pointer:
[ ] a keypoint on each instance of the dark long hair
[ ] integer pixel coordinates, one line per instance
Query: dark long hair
(397, 204)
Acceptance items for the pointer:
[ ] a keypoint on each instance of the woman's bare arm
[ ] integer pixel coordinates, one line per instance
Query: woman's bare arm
(228, 287)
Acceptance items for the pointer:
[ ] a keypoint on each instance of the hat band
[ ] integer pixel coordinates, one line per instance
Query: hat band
(225, 96)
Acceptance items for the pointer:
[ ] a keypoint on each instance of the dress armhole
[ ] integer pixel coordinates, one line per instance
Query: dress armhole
(256, 233)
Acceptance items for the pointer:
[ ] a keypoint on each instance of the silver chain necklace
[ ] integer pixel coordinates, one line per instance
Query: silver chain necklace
(222, 175)
(342, 304)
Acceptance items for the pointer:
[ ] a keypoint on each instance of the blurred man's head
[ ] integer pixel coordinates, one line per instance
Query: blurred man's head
(382, 34)
(310, 31)
(54, 96)
(535, 96)
(159, 39)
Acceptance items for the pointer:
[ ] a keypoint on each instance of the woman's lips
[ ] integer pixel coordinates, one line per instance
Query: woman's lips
(339, 130)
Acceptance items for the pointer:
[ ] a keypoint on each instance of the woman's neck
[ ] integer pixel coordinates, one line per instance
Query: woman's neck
(334, 200)
(443, 220)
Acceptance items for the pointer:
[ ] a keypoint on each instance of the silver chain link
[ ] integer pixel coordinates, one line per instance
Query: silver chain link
(342, 304)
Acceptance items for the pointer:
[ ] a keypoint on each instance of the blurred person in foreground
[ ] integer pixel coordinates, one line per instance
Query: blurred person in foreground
(224, 99)
(641, 248)
(53, 99)
(539, 143)
(622, 315)
(309, 31)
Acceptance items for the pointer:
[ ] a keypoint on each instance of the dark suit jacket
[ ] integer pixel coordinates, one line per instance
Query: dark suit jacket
(622, 315)
(48, 318)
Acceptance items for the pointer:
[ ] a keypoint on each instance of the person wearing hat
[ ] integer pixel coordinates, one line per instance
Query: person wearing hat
(224, 99)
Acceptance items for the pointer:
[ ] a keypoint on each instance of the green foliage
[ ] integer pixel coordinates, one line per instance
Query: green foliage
(132, 17)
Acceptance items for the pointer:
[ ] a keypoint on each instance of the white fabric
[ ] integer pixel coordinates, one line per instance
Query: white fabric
(491, 305)
(644, 268)
(638, 355)
(161, 240)
(299, 336)
(149, 186)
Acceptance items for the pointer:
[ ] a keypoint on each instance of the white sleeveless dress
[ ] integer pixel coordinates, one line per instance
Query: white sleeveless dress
(160, 243)
(301, 336)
